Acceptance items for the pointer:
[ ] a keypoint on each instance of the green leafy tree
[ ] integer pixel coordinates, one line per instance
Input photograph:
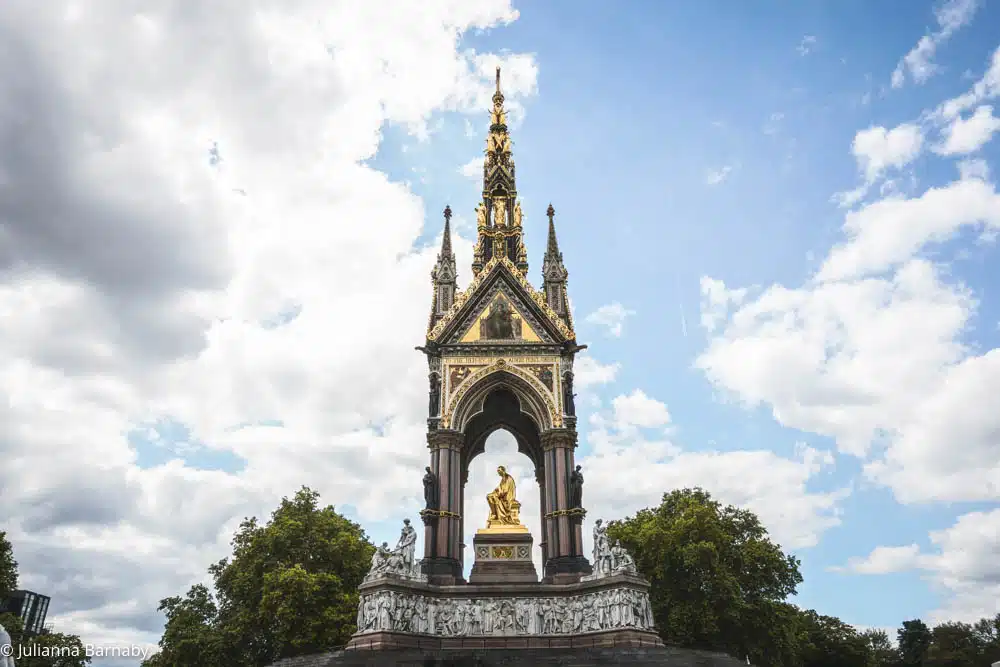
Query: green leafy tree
(881, 652)
(955, 645)
(717, 580)
(54, 650)
(290, 588)
(8, 567)
(988, 633)
(914, 640)
(827, 641)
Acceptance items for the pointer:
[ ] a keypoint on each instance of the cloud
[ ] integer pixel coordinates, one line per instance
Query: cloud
(963, 565)
(612, 316)
(588, 372)
(716, 176)
(877, 150)
(919, 64)
(806, 45)
(169, 256)
(631, 440)
(473, 169)
(965, 136)
(970, 169)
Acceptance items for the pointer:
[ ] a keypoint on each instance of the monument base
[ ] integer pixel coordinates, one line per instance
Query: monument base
(502, 558)
(636, 656)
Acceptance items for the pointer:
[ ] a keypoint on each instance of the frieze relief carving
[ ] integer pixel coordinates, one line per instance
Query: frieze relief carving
(395, 611)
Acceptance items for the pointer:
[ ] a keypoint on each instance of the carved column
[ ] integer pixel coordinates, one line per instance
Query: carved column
(443, 533)
(563, 528)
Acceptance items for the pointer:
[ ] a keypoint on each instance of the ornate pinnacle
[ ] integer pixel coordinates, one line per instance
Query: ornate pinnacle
(446, 238)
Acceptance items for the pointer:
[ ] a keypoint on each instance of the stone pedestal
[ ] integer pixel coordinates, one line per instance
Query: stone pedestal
(502, 558)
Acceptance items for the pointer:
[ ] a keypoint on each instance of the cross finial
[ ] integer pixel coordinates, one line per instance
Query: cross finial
(550, 212)
(447, 212)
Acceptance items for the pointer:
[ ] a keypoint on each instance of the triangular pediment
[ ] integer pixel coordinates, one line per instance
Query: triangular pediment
(500, 306)
(500, 321)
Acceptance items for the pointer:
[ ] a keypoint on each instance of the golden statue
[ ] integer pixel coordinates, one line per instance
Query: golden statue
(480, 215)
(517, 214)
(499, 212)
(505, 511)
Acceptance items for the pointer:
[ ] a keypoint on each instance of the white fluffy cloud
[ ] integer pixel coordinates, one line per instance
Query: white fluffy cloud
(633, 441)
(963, 564)
(968, 135)
(190, 238)
(612, 316)
(919, 63)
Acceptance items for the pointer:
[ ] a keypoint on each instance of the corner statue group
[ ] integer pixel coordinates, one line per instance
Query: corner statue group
(502, 502)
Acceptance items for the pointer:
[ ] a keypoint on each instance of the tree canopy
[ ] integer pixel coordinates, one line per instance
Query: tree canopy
(719, 583)
(290, 588)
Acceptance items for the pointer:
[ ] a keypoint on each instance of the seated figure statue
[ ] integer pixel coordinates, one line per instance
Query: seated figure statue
(504, 507)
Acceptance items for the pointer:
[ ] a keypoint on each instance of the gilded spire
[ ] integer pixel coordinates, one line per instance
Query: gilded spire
(498, 169)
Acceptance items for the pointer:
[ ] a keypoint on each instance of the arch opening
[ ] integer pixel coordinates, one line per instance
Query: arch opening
(500, 448)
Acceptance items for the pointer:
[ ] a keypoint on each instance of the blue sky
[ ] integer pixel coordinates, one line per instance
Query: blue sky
(634, 109)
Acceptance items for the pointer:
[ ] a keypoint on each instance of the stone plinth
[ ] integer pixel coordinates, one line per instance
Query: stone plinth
(642, 656)
(502, 558)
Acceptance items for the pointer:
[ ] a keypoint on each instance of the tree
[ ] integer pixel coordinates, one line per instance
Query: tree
(717, 580)
(829, 642)
(8, 567)
(881, 652)
(987, 631)
(914, 640)
(53, 649)
(290, 588)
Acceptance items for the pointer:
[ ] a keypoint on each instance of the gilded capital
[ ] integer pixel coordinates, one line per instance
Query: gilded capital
(445, 438)
(564, 438)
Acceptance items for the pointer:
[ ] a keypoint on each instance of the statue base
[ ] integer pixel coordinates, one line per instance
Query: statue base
(502, 558)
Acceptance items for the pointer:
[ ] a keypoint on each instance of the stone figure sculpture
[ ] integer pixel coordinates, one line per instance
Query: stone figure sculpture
(5, 640)
(434, 404)
(502, 502)
(399, 562)
(600, 553)
(569, 402)
(430, 489)
(480, 215)
(609, 559)
(622, 561)
(576, 489)
(407, 545)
